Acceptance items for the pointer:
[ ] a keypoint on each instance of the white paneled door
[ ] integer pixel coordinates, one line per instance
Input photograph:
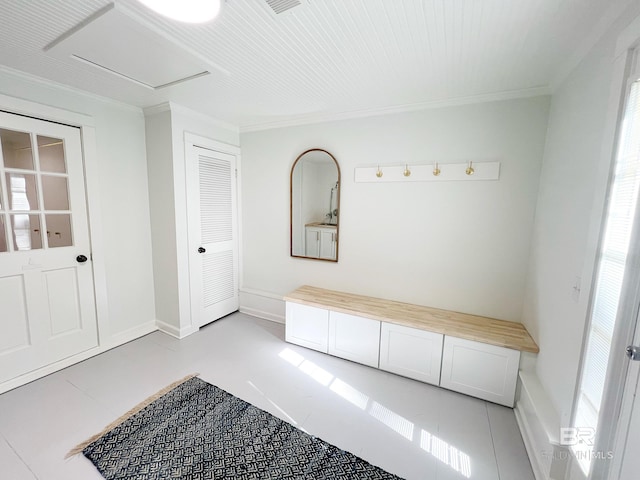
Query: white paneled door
(213, 234)
(47, 304)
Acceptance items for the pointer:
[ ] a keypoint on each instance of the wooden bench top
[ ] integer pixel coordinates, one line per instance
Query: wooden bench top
(471, 327)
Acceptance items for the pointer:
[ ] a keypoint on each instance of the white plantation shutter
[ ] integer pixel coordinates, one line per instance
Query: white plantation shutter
(216, 208)
(621, 212)
(216, 226)
(218, 278)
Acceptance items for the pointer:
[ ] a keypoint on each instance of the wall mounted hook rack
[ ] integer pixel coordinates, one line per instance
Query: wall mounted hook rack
(431, 172)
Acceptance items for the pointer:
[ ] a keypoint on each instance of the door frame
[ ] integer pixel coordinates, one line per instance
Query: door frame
(610, 421)
(86, 124)
(194, 140)
(620, 388)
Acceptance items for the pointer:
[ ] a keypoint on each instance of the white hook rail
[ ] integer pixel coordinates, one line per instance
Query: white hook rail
(433, 172)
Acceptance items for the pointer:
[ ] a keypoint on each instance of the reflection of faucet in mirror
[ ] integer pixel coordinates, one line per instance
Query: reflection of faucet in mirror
(333, 212)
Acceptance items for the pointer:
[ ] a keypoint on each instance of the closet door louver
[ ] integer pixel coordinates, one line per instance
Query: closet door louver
(216, 206)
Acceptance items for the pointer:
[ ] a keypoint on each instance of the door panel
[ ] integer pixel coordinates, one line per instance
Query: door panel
(312, 242)
(630, 457)
(213, 238)
(62, 292)
(15, 326)
(48, 305)
(480, 370)
(307, 326)
(327, 244)
(354, 338)
(411, 352)
(218, 277)
(216, 204)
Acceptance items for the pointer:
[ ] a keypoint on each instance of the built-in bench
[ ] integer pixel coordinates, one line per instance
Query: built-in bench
(470, 354)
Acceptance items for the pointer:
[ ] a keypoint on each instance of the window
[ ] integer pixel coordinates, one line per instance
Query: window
(610, 271)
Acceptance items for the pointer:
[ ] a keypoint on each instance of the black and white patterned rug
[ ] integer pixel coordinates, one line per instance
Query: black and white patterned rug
(199, 431)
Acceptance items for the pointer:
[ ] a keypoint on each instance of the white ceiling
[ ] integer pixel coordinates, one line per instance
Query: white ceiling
(329, 58)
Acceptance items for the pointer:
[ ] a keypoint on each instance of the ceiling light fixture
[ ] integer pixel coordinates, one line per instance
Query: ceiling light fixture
(189, 11)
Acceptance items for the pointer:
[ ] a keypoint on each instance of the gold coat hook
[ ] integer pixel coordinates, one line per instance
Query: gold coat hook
(436, 170)
(379, 172)
(406, 172)
(470, 170)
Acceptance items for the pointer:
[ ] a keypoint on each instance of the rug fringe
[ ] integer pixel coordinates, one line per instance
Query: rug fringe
(145, 403)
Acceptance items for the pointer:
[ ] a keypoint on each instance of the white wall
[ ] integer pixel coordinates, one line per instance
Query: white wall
(568, 219)
(163, 216)
(123, 198)
(456, 245)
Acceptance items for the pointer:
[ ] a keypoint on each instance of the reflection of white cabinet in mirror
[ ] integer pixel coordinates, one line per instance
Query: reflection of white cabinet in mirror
(320, 241)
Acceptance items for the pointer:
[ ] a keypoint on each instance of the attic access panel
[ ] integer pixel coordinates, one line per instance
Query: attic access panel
(118, 42)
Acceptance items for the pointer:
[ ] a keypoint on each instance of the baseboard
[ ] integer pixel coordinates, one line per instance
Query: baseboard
(131, 334)
(540, 428)
(262, 314)
(529, 443)
(176, 332)
(114, 341)
(266, 305)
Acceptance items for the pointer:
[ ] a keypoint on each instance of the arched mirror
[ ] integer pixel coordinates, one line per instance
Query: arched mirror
(315, 206)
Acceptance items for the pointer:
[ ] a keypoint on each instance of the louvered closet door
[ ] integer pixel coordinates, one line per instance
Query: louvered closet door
(213, 230)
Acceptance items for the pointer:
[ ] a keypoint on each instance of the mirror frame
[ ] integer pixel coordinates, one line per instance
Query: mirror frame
(291, 207)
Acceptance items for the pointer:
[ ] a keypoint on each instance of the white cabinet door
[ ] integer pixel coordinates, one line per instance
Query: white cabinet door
(354, 338)
(411, 352)
(328, 243)
(312, 242)
(480, 370)
(321, 242)
(307, 326)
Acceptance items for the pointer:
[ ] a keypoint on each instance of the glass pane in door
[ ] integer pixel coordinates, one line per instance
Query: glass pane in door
(51, 153)
(59, 230)
(22, 191)
(55, 193)
(16, 149)
(27, 234)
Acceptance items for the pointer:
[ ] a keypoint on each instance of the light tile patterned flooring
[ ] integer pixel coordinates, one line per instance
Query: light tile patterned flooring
(414, 430)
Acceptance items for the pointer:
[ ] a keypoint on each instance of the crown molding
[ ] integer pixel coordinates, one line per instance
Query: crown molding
(24, 76)
(606, 21)
(374, 112)
(156, 109)
(188, 112)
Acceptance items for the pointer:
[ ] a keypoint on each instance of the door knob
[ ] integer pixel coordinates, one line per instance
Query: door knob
(633, 352)
(201, 250)
(81, 259)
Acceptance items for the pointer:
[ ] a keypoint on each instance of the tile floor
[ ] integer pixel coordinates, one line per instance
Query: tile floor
(414, 430)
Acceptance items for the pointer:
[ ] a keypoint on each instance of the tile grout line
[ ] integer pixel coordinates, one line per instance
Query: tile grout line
(6, 440)
(493, 442)
(94, 399)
